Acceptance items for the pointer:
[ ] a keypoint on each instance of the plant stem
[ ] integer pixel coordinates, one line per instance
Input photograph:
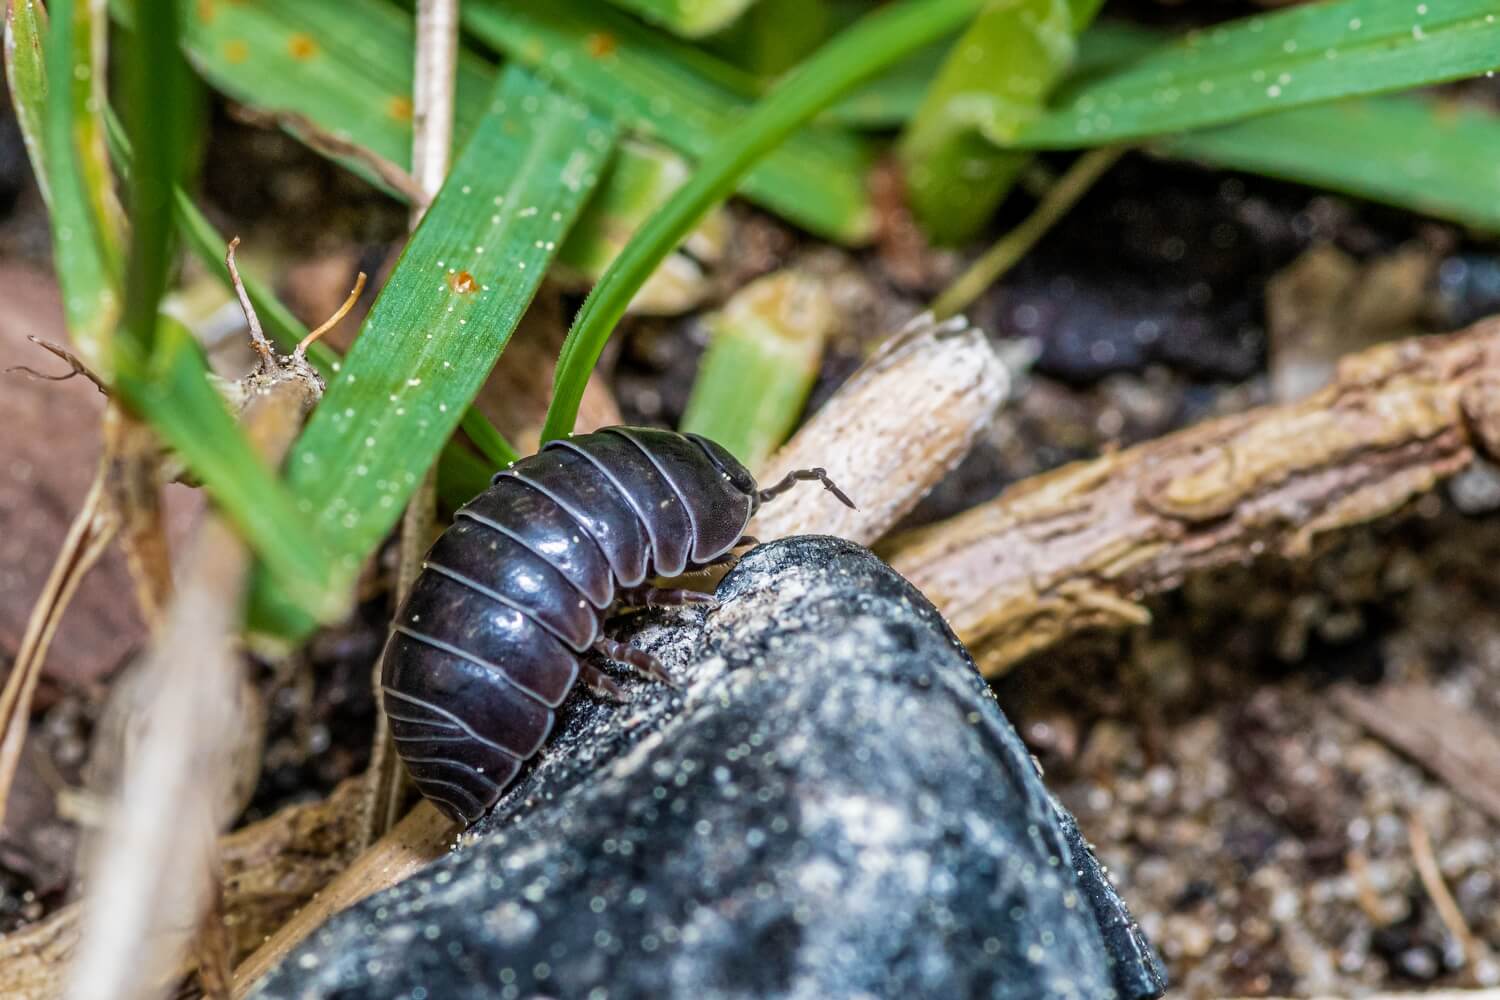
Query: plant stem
(1014, 245)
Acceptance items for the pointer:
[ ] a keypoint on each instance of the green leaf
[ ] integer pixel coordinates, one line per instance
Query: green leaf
(761, 363)
(1415, 153)
(267, 56)
(159, 99)
(891, 99)
(208, 245)
(466, 277)
(639, 180)
(173, 393)
(993, 83)
(59, 108)
(775, 35)
(1273, 62)
(667, 91)
(345, 66)
(692, 18)
(26, 75)
(880, 39)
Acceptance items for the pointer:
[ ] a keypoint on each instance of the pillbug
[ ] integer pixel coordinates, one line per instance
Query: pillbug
(490, 639)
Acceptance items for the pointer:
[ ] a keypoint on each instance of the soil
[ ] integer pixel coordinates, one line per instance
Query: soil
(1260, 835)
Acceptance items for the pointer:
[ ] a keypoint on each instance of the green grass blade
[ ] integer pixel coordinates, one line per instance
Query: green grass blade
(775, 35)
(879, 40)
(87, 223)
(467, 276)
(345, 65)
(158, 115)
(993, 82)
(173, 393)
(266, 56)
(891, 99)
(691, 18)
(1414, 153)
(26, 75)
(208, 245)
(660, 89)
(1273, 62)
(761, 363)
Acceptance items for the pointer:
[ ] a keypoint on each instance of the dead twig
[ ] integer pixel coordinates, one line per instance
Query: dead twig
(1358, 866)
(269, 869)
(93, 528)
(1084, 546)
(1437, 890)
(335, 147)
(76, 366)
(420, 838)
(1457, 746)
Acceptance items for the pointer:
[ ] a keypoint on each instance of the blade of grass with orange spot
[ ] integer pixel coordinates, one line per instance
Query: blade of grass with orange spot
(267, 56)
(345, 66)
(461, 474)
(458, 291)
(661, 88)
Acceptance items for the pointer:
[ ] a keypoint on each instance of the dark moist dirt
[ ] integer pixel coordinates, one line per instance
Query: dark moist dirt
(1203, 755)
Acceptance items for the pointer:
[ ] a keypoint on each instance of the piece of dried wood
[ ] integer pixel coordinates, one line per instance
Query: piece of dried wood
(420, 838)
(1456, 745)
(269, 869)
(890, 433)
(1084, 546)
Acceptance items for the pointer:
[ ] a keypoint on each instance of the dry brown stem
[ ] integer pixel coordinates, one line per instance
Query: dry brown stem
(1457, 746)
(87, 539)
(423, 836)
(269, 869)
(1084, 546)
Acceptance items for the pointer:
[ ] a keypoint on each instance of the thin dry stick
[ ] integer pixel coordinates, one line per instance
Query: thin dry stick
(336, 147)
(77, 367)
(88, 537)
(419, 839)
(1014, 245)
(1437, 890)
(432, 141)
(270, 868)
(258, 339)
(332, 321)
(1085, 546)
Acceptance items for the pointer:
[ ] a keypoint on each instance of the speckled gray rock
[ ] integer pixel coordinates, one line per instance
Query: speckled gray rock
(832, 806)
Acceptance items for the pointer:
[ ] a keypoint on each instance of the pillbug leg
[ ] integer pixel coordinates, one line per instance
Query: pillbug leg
(600, 683)
(745, 540)
(641, 660)
(805, 476)
(653, 597)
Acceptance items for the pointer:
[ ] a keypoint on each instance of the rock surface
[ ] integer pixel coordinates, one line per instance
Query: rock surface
(831, 806)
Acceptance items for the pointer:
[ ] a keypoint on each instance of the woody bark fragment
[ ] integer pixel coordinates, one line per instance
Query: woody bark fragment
(1086, 545)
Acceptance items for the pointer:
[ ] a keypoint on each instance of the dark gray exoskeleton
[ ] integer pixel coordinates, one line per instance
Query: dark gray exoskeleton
(488, 643)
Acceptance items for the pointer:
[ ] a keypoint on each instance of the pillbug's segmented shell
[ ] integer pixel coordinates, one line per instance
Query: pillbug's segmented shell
(488, 642)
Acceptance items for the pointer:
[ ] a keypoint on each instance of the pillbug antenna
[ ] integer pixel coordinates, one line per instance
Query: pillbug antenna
(805, 476)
